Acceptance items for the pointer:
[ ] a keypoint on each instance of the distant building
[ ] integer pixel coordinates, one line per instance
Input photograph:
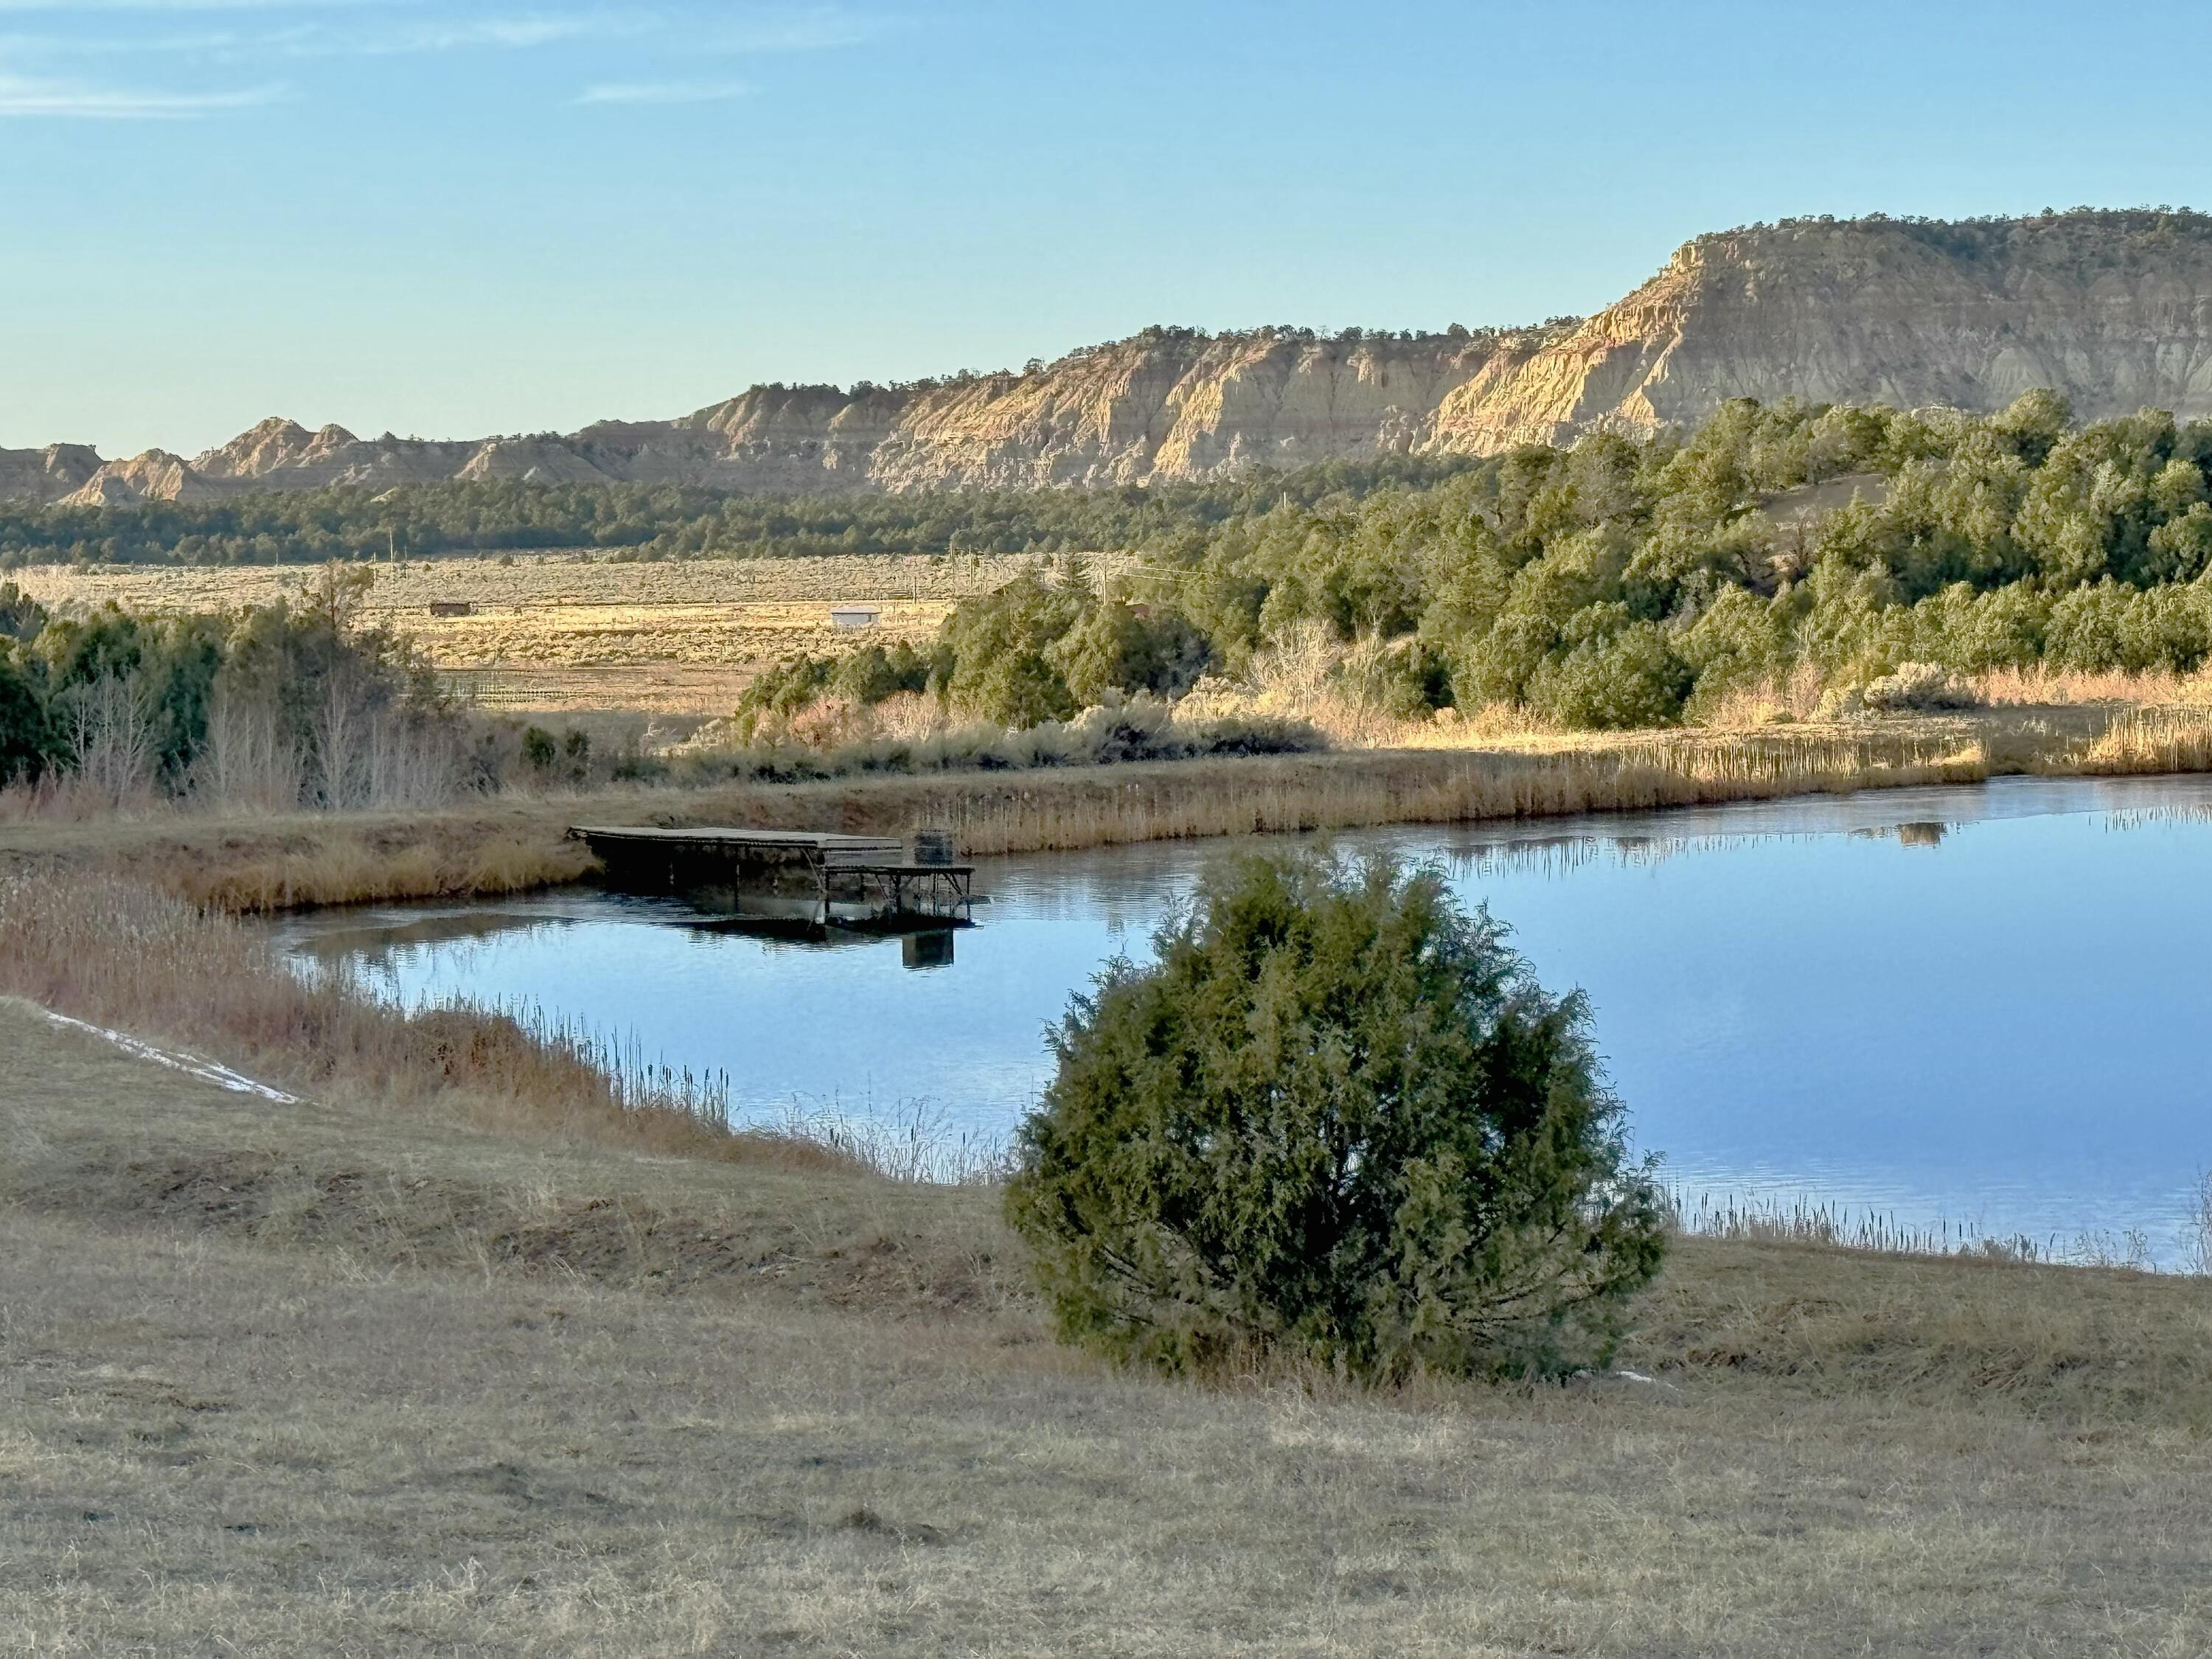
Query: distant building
(855, 616)
(451, 608)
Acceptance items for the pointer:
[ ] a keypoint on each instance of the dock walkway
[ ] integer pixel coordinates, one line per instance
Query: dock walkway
(881, 873)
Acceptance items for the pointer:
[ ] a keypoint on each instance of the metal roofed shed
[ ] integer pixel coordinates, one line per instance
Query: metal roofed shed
(855, 616)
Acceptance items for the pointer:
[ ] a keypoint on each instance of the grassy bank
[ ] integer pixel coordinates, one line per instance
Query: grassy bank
(510, 842)
(321, 1378)
(122, 956)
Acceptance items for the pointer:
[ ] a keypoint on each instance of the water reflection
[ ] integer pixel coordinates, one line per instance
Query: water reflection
(928, 950)
(383, 942)
(1985, 1007)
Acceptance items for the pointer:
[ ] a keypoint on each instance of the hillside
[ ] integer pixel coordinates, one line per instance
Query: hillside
(2112, 309)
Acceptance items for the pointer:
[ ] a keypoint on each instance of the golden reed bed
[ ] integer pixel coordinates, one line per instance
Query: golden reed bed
(511, 843)
(515, 841)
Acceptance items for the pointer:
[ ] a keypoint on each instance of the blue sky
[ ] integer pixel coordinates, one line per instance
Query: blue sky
(452, 217)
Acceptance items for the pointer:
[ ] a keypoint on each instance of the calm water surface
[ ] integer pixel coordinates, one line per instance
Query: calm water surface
(1988, 1006)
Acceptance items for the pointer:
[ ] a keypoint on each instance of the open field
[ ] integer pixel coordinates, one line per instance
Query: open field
(327, 1377)
(567, 632)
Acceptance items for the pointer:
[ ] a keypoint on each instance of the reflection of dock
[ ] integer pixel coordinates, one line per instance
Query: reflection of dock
(886, 881)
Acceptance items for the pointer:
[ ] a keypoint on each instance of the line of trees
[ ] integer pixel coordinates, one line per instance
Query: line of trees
(656, 521)
(280, 706)
(1628, 582)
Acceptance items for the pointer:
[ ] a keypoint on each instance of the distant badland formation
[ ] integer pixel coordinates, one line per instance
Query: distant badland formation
(2111, 308)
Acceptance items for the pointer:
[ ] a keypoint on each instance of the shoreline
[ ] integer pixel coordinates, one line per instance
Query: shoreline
(515, 843)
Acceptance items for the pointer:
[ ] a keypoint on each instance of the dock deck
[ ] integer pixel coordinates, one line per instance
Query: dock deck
(879, 874)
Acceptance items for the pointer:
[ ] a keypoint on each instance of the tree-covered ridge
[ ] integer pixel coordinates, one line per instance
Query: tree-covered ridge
(2097, 235)
(1624, 582)
(659, 521)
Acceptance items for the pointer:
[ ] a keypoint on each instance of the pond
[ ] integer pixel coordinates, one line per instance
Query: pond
(1982, 1008)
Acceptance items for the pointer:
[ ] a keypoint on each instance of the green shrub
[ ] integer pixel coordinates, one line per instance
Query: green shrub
(21, 617)
(1116, 647)
(1020, 689)
(997, 665)
(1740, 641)
(1498, 667)
(1337, 1117)
(1410, 679)
(1631, 679)
(1975, 632)
(871, 674)
(26, 736)
(2085, 633)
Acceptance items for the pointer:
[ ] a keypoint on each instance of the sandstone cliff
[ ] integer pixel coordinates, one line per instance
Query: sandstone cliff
(2114, 310)
(47, 474)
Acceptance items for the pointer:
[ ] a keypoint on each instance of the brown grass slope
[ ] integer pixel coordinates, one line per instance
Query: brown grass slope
(326, 1378)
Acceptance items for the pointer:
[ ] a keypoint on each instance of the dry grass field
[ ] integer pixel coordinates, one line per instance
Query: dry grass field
(566, 632)
(330, 1378)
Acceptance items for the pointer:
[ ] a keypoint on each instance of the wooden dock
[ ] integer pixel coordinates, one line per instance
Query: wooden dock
(884, 878)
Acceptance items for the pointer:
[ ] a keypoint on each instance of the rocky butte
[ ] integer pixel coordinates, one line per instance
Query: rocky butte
(2111, 308)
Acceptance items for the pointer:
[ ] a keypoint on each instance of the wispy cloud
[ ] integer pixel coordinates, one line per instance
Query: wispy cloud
(21, 95)
(398, 36)
(810, 29)
(56, 37)
(541, 31)
(662, 92)
(77, 8)
(379, 38)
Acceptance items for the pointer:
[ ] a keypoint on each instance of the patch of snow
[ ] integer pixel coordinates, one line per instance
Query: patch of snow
(205, 1070)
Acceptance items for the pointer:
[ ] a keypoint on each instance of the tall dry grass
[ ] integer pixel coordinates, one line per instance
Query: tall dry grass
(262, 864)
(124, 957)
(2151, 740)
(1830, 1225)
(336, 860)
(1790, 698)
(1358, 790)
(2048, 687)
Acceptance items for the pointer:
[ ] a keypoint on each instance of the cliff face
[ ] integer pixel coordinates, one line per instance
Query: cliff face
(1179, 409)
(156, 474)
(2113, 310)
(47, 474)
